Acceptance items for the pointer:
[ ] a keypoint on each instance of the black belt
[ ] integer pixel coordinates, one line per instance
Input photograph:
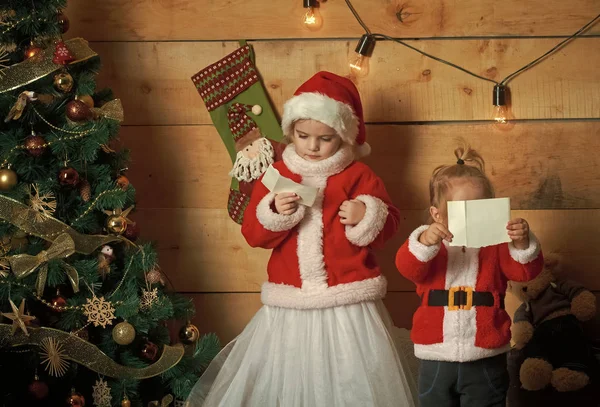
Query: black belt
(461, 298)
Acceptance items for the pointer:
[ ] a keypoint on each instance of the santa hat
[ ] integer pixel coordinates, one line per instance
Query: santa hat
(331, 100)
(243, 128)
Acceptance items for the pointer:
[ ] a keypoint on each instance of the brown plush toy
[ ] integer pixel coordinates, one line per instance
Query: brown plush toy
(547, 327)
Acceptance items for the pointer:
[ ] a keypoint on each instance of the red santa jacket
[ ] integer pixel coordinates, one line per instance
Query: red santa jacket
(469, 332)
(317, 262)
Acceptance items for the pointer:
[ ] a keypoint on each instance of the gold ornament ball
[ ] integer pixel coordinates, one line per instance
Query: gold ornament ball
(123, 333)
(125, 403)
(8, 179)
(87, 99)
(189, 334)
(63, 82)
(116, 224)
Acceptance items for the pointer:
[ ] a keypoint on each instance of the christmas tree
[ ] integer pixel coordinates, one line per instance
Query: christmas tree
(84, 303)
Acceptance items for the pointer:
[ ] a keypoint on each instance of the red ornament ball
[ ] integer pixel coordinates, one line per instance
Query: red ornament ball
(122, 182)
(68, 176)
(78, 111)
(59, 301)
(132, 232)
(76, 400)
(150, 351)
(34, 145)
(38, 389)
(32, 52)
(63, 22)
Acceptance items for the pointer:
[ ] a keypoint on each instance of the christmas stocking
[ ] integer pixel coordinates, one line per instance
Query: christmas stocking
(241, 112)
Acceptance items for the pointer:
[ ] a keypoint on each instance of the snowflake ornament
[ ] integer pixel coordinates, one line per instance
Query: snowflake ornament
(62, 51)
(44, 204)
(53, 355)
(99, 311)
(148, 299)
(101, 394)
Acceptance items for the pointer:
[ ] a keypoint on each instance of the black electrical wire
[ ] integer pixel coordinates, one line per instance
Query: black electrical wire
(503, 82)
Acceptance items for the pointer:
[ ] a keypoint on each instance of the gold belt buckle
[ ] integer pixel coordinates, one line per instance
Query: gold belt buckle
(452, 291)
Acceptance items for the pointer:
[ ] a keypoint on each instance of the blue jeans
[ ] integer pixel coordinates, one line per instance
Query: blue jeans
(481, 383)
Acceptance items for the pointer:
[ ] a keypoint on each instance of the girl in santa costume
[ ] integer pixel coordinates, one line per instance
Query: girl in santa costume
(461, 330)
(323, 336)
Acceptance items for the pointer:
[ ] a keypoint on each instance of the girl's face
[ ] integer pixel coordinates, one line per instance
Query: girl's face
(459, 189)
(315, 141)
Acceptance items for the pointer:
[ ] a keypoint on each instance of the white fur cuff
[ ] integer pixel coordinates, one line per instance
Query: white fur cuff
(419, 250)
(276, 222)
(367, 230)
(527, 255)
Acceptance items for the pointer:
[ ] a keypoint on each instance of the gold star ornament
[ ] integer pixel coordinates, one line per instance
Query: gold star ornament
(18, 317)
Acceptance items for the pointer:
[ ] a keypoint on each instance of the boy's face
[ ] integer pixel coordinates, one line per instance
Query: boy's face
(315, 141)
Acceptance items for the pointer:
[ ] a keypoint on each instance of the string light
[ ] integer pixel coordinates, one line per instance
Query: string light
(359, 61)
(499, 101)
(501, 111)
(312, 18)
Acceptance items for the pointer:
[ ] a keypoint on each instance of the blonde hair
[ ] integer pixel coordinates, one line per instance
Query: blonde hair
(469, 164)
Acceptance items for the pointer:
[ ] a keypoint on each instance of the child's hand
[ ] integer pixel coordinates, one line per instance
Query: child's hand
(518, 231)
(286, 203)
(435, 234)
(352, 212)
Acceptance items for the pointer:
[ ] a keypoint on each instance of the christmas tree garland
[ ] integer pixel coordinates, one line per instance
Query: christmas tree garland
(23, 217)
(41, 65)
(88, 354)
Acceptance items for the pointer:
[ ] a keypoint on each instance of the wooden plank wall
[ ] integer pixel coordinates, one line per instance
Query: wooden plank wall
(547, 161)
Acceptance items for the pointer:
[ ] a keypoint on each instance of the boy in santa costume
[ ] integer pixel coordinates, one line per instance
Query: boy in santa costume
(323, 336)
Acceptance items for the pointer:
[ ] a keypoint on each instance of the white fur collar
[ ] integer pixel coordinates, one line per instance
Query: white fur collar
(325, 168)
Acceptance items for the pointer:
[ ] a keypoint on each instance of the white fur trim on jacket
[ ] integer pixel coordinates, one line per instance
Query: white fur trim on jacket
(527, 255)
(316, 106)
(311, 260)
(276, 222)
(287, 296)
(419, 250)
(324, 168)
(447, 352)
(367, 230)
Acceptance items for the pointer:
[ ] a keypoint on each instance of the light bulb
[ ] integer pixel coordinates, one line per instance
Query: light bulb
(501, 114)
(312, 18)
(499, 102)
(359, 62)
(359, 65)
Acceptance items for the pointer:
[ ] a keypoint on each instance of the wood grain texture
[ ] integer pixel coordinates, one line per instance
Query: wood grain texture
(539, 165)
(227, 314)
(202, 250)
(128, 20)
(153, 79)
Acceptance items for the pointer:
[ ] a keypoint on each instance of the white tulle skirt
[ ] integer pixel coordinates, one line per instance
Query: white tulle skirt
(335, 357)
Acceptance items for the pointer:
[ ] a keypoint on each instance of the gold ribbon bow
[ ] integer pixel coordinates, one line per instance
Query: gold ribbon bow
(111, 110)
(165, 402)
(23, 265)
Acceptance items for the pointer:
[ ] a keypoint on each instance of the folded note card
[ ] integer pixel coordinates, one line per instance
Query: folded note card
(278, 184)
(479, 223)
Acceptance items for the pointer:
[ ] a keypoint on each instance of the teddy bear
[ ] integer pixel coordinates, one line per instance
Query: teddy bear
(547, 328)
